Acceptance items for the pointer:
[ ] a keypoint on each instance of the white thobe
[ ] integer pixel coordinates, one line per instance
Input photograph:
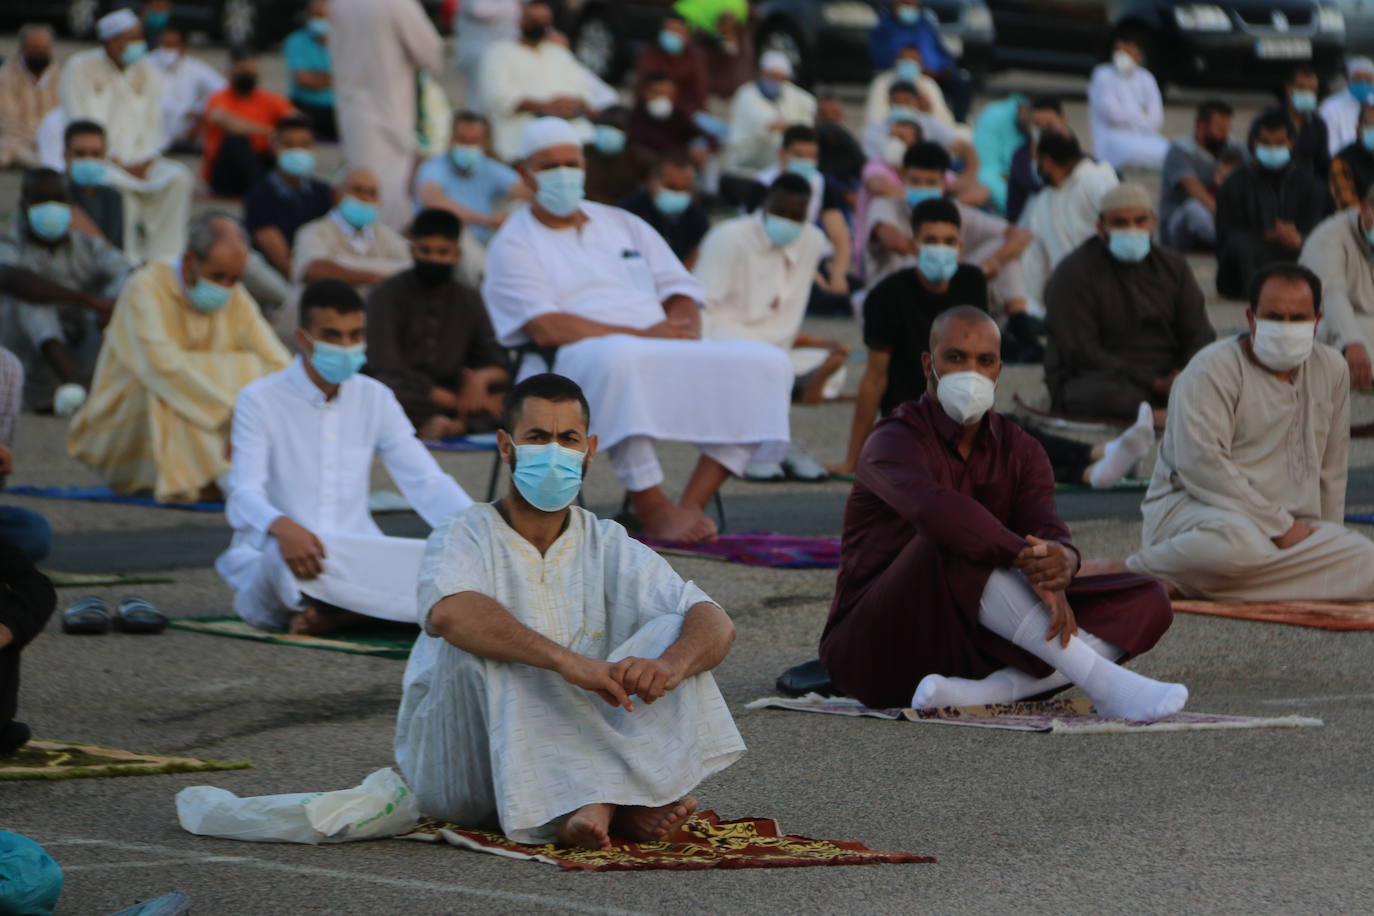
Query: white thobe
(513, 72)
(1126, 114)
(876, 108)
(933, 130)
(1061, 219)
(486, 743)
(728, 398)
(127, 102)
(1338, 252)
(187, 84)
(1341, 112)
(300, 455)
(752, 144)
(377, 48)
(1244, 454)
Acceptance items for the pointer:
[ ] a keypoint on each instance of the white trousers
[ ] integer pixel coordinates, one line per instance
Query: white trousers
(637, 468)
(159, 205)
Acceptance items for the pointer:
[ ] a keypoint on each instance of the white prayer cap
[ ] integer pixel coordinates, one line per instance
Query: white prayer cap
(775, 62)
(116, 23)
(542, 133)
(1355, 65)
(1127, 195)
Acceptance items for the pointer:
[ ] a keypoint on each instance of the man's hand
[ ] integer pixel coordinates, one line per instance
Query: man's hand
(647, 678)
(597, 676)
(1287, 234)
(302, 551)
(1300, 532)
(6, 460)
(1164, 384)
(139, 169)
(991, 267)
(6, 636)
(1361, 371)
(672, 329)
(1046, 564)
(1062, 622)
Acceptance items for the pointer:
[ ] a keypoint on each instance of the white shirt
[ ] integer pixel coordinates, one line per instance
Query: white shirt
(754, 289)
(1063, 218)
(752, 143)
(513, 72)
(932, 129)
(187, 84)
(1129, 103)
(301, 455)
(1341, 112)
(877, 107)
(127, 103)
(615, 269)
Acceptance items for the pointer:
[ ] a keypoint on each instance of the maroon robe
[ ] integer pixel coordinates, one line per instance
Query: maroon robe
(923, 530)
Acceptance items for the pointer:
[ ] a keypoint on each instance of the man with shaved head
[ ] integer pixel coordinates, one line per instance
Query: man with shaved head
(958, 582)
(185, 337)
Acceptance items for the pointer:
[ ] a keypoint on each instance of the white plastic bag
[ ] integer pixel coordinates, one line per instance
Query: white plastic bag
(382, 806)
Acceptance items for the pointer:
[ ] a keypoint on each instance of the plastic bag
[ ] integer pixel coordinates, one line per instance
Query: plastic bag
(30, 881)
(382, 806)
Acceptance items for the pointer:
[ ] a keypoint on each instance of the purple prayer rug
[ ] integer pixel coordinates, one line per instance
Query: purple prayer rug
(1061, 715)
(780, 551)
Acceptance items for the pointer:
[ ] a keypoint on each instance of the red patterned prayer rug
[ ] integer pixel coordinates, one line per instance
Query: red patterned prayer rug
(1323, 615)
(705, 841)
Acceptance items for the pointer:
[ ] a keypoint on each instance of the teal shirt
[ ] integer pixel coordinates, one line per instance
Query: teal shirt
(997, 138)
(303, 52)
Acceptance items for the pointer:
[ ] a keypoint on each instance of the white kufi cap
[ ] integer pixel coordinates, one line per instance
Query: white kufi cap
(116, 23)
(543, 133)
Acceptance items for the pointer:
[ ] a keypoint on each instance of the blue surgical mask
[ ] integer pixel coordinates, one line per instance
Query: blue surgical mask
(908, 71)
(337, 364)
(1367, 138)
(296, 162)
(609, 141)
(915, 196)
(357, 213)
(780, 230)
(1304, 101)
(548, 476)
(50, 221)
(1362, 90)
(560, 190)
(208, 297)
(937, 263)
(133, 52)
(909, 15)
(1273, 158)
(1129, 246)
(803, 167)
(671, 203)
(466, 158)
(770, 88)
(903, 113)
(87, 173)
(671, 42)
(319, 26)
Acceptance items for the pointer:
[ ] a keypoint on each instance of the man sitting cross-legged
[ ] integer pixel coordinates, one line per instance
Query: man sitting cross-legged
(958, 581)
(306, 554)
(601, 285)
(1248, 494)
(561, 689)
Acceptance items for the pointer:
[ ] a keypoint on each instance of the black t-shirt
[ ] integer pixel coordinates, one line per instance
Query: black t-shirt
(898, 314)
(683, 233)
(273, 202)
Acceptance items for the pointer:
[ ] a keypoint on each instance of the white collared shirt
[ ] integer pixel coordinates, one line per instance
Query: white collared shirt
(297, 453)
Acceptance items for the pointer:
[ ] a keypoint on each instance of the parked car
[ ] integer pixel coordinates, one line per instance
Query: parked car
(1228, 42)
(1359, 26)
(827, 40)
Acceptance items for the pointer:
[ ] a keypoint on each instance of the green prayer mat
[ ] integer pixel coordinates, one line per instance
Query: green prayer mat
(41, 759)
(97, 580)
(1125, 484)
(382, 639)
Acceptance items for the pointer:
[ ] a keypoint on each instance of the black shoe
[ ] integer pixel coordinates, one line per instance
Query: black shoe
(808, 677)
(13, 736)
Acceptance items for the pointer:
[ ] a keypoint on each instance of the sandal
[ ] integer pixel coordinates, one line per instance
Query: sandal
(136, 615)
(89, 616)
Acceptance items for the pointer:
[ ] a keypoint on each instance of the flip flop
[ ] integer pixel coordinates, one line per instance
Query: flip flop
(136, 615)
(89, 616)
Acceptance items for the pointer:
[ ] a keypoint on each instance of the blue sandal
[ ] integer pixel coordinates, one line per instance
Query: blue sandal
(89, 616)
(136, 615)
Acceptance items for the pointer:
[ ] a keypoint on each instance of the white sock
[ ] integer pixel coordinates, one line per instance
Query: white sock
(1116, 692)
(1123, 453)
(1007, 685)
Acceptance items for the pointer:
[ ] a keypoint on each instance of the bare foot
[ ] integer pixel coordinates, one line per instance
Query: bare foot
(314, 621)
(589, 827)
(814, 392)
(638, 824)
(679, 525)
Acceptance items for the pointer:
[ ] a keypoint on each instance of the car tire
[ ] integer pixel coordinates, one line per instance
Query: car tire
(780, 35)
(239, 22)
(79, 18)
(598, 45)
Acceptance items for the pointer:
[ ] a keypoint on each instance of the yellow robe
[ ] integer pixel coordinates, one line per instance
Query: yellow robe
(159, 409)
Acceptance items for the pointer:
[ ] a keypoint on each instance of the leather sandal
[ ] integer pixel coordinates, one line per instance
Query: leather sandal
(135, 615)
(89, 616)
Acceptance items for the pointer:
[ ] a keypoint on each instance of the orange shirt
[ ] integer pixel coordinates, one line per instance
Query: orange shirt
(261, 107)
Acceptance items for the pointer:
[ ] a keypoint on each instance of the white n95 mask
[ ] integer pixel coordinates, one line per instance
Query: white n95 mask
(966, 396)
(1283, 345)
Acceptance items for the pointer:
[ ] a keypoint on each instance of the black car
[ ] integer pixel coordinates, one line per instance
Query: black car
(827, 40)
(1229, 42)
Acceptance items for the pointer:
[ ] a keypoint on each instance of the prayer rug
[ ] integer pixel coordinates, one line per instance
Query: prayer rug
(382, 640)
(1323, 615)
(482, 442)
(1125, 484)
(780, 551)
(106, 495)
(41, 759)
(97, 580)
(1060, 716)
(705, 841)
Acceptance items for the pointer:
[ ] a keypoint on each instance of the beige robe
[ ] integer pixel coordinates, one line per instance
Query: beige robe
(24, 102)
(377, 48)
(1244, 454)
(158, 413)
(1338, 252)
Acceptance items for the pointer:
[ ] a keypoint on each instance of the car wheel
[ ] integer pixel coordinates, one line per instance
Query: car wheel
(780, 36)
(80, 18)
(597, 46)
(238, 22)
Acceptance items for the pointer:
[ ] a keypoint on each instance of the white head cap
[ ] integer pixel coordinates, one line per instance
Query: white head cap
(1355, 65)
(543, 133)
(775, 62)
(117, 23)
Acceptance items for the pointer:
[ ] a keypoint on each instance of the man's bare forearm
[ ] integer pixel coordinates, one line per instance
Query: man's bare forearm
(705, 640)
(478, 624)
(22, 283)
